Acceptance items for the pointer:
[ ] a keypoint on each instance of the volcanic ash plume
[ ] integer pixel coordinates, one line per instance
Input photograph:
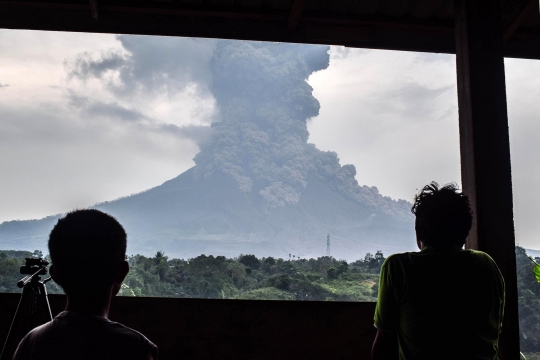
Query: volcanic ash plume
(257, 187)
(261, 141)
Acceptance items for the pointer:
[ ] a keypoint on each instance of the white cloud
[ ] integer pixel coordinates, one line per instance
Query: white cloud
(523, 93)
(391, 114)
(68, 143)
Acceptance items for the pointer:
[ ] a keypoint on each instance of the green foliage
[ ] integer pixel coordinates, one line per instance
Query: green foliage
(530, 356)
(332, 273)
(268, 293)
(10, 264)
(247, 277)
(536, 269)
(529, 304)
(250, 261)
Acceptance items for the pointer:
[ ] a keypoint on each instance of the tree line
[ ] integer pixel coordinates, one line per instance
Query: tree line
(243, 277)
(268, 278)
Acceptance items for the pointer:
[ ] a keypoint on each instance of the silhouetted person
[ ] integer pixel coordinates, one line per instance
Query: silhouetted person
(87, 249)
(442, 302)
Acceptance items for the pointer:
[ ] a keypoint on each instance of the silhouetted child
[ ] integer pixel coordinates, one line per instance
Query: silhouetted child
(442, 302)
(88, 249)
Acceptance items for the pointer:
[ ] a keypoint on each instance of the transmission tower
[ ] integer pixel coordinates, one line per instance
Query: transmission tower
(328, 245)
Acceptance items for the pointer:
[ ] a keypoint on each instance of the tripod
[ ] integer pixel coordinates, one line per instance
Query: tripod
(34, 299)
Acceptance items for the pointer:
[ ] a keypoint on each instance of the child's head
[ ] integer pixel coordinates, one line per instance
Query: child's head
(87, 248)
(443, 216)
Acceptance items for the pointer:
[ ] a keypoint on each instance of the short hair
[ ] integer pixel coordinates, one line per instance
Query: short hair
(86, 246)
(443, 215)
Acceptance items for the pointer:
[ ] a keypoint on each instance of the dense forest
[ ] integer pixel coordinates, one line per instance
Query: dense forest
(248, 277)
(245, 277)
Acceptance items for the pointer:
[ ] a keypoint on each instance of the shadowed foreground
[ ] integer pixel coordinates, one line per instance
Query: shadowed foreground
(238, 329)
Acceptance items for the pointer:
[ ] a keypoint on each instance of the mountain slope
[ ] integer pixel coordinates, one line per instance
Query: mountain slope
(258, 186)
(187, 216)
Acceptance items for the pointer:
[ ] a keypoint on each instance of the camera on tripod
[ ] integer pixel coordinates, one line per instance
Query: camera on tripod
(33, 265)
(32, 269)
(33, 308)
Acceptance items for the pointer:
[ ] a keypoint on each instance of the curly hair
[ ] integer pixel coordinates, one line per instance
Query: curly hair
(443, 215)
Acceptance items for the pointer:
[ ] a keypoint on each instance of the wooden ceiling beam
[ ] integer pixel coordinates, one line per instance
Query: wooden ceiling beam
(213, 21)
(211, 12)
(382, 22)
(94, 9)
(295, 14)
(43, 5)
(526, 11)
(425, 9)
(162, 10)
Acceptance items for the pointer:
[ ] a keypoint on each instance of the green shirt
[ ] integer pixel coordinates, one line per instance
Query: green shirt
(442, 304)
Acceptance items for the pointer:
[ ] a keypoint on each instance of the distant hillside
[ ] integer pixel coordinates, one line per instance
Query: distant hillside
(533, 253)
(258, 185)
(186, 217)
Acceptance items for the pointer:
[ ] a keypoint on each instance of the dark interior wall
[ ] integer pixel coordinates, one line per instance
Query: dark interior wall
(238, 329)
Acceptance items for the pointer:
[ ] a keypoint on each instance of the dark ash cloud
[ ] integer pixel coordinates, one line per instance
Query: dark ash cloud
(264, 102)
(198, 133)
(413, 100)
(147, 65)
(110, 110)
(85, 66)
(150, 64)
(410, 101)
(113, 110)
(92, 108)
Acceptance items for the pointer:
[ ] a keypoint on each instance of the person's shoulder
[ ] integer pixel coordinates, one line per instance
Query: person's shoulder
(396, 263)
(128, 335)
(29, 341)
(40, 330)
(478, 253)
(399, 257)
(123, 330)
(481, 257)
(484, 264)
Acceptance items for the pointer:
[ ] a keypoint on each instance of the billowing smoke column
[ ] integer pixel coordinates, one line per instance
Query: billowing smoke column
(263, 101)
(261, 141)
(258, 186)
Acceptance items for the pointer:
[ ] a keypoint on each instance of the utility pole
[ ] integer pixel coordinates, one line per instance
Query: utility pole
(328, 245)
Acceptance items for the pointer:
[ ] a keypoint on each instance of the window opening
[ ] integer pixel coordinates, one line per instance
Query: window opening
(522, 94)
(256, 170)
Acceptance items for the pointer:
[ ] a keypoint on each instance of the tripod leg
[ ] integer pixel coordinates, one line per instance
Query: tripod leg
(45, 300)
(11, 328)
(39, 310)
(33, 310)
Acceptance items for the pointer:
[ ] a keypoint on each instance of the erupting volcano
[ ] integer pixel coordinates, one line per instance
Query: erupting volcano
(258, 186)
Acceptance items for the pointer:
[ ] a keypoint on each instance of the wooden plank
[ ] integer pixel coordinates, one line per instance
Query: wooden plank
(425, 9)
(94, 9)
(208, 21)
(296, 13)
(485, 148)
(44, 5)
(439, 26)
(338, 35)
(530, 6)
(149, 10)
(238, 329)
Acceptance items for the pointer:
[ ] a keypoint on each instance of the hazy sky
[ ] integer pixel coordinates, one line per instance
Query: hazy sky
(68, 141)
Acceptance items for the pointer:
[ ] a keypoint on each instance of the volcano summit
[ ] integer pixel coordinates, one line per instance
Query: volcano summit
(258, 186)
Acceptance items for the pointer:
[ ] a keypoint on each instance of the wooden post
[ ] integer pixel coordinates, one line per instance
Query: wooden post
(485, 147)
